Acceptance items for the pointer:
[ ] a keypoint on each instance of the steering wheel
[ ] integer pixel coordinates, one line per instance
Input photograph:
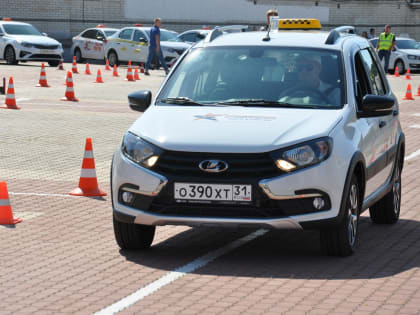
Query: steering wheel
(300, 92)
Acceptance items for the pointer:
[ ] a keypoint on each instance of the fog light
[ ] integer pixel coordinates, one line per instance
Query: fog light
(318, 203)
(285, 166)
(127, 197)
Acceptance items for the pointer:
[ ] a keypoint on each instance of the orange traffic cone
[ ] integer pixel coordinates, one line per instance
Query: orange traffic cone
(87, 70)
(99, 77)
(408, 94)
(88, 184)
(74, 66)
(107, 65)
(115, 73)
(418, 91)
(129, 76)
(43, 78)
(69, 95)
(60, 65)
(407, 76)
(142, 68)
(136, 73)
(10, 96)
(396, 72)
(6, 215)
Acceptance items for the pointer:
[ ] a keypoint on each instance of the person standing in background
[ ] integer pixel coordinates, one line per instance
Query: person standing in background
(385, 45)
(154, 47)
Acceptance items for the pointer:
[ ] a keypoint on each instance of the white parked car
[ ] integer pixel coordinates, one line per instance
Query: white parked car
(286, 130)
(90, 43)
(23, 42)
(406, 55)
(131, 43)
(193, 36)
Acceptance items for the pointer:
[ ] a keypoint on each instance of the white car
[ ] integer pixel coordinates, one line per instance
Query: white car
(131, 43)
(406, 55)
(288, 129)
(23, 42)
(193, 36)
(90, 43)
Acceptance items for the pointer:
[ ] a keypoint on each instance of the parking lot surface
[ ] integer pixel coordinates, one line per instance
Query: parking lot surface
(63, 259)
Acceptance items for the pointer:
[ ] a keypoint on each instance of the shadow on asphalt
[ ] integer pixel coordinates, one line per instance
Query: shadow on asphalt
(383, 251)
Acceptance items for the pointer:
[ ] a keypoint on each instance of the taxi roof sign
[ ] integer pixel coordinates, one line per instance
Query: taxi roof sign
(299, 24)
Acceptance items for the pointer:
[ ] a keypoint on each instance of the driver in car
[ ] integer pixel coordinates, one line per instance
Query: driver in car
(309, 75)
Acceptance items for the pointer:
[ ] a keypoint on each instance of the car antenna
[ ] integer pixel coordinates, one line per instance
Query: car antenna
(267, 36)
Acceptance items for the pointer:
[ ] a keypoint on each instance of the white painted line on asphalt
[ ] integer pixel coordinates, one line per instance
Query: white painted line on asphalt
(22, 99)
(178, 273)
(416, 115)
(412, 155)
(415, 126)
(37, 194)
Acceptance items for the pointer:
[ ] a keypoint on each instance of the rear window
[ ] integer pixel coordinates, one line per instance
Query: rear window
(20, 29)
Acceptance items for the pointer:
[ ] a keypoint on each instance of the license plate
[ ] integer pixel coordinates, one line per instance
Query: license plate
(45, 51)
(212, 192)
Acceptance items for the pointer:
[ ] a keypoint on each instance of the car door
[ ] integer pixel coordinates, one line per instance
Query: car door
(122, 45)
(377, 131)
(140, 48)
(86, 45)
(98, 45)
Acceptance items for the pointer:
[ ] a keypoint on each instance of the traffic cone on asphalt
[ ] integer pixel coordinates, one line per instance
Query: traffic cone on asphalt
(43, 78)
(10, 96)
(60, 65)
(69, 95)
(107, 65)
(74, 65)
(87, 70)
(99, 77)
(396, 72)
(408, 94)
(142, 68)
(88, 183)
(418, 91)
(136, 73)
(6, 214)
(129, 76)
(407, 76)
(115, 72)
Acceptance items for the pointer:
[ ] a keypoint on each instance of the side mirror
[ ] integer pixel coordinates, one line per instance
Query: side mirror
(143, 40)
(44, 34)
(377, 103)
(140, 100)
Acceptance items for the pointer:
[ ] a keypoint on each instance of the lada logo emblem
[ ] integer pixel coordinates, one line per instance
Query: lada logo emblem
(213, 166)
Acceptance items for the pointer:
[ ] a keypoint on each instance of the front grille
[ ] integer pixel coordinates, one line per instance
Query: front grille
(44, 56)
(258, 165)
(39, 46)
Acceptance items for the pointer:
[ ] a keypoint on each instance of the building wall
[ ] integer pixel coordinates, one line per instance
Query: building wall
(63, 19)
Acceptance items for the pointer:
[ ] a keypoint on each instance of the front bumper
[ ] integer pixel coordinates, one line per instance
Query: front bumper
(290, 197)
(34, 54)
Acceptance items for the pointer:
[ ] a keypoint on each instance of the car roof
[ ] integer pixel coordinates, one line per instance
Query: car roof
(13, 22)
(313, 39)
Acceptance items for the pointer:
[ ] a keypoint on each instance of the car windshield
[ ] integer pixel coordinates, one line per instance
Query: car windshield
(407, 44)
(20, 29)
(109, 33)
(169, 36)
(257, 76)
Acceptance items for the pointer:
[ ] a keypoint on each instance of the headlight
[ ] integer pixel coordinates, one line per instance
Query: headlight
(412, 57)
(140, 151)
(303, 155)
(26, 45)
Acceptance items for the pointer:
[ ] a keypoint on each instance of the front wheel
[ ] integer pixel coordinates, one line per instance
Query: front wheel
(400, 64)
(78, 55)
(133, 236)
(113, 58)
(10, 56)
(341, 240)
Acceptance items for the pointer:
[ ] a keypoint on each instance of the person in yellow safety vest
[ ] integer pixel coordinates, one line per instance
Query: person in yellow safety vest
(385, 45)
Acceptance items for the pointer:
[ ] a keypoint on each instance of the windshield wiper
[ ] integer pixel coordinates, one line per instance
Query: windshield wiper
(181, 101)
(265, 103)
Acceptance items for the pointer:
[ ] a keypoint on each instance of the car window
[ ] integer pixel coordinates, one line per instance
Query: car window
(189, 37)
(406, 44)
(20, 29)
(126, 34)
(373, 74)
(89, 34)
(139, 34)
(109, 33)
(301, 77)
(374, 42)
(168, 36)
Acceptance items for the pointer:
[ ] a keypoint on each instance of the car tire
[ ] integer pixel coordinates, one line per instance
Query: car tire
(341, 240)
(387, 209)
(133, 236)
(113, 58)
(10, 56)
(78, 54)
(400, 64)
(54, 63)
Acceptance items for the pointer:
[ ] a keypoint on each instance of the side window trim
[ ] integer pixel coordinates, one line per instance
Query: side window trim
(382, 74)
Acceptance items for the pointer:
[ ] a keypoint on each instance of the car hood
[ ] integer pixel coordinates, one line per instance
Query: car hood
(415, 52)
(232, 129)
(175, 45)
(35, 39)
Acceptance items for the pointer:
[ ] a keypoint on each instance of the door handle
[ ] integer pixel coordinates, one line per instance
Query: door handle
(382, 123)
